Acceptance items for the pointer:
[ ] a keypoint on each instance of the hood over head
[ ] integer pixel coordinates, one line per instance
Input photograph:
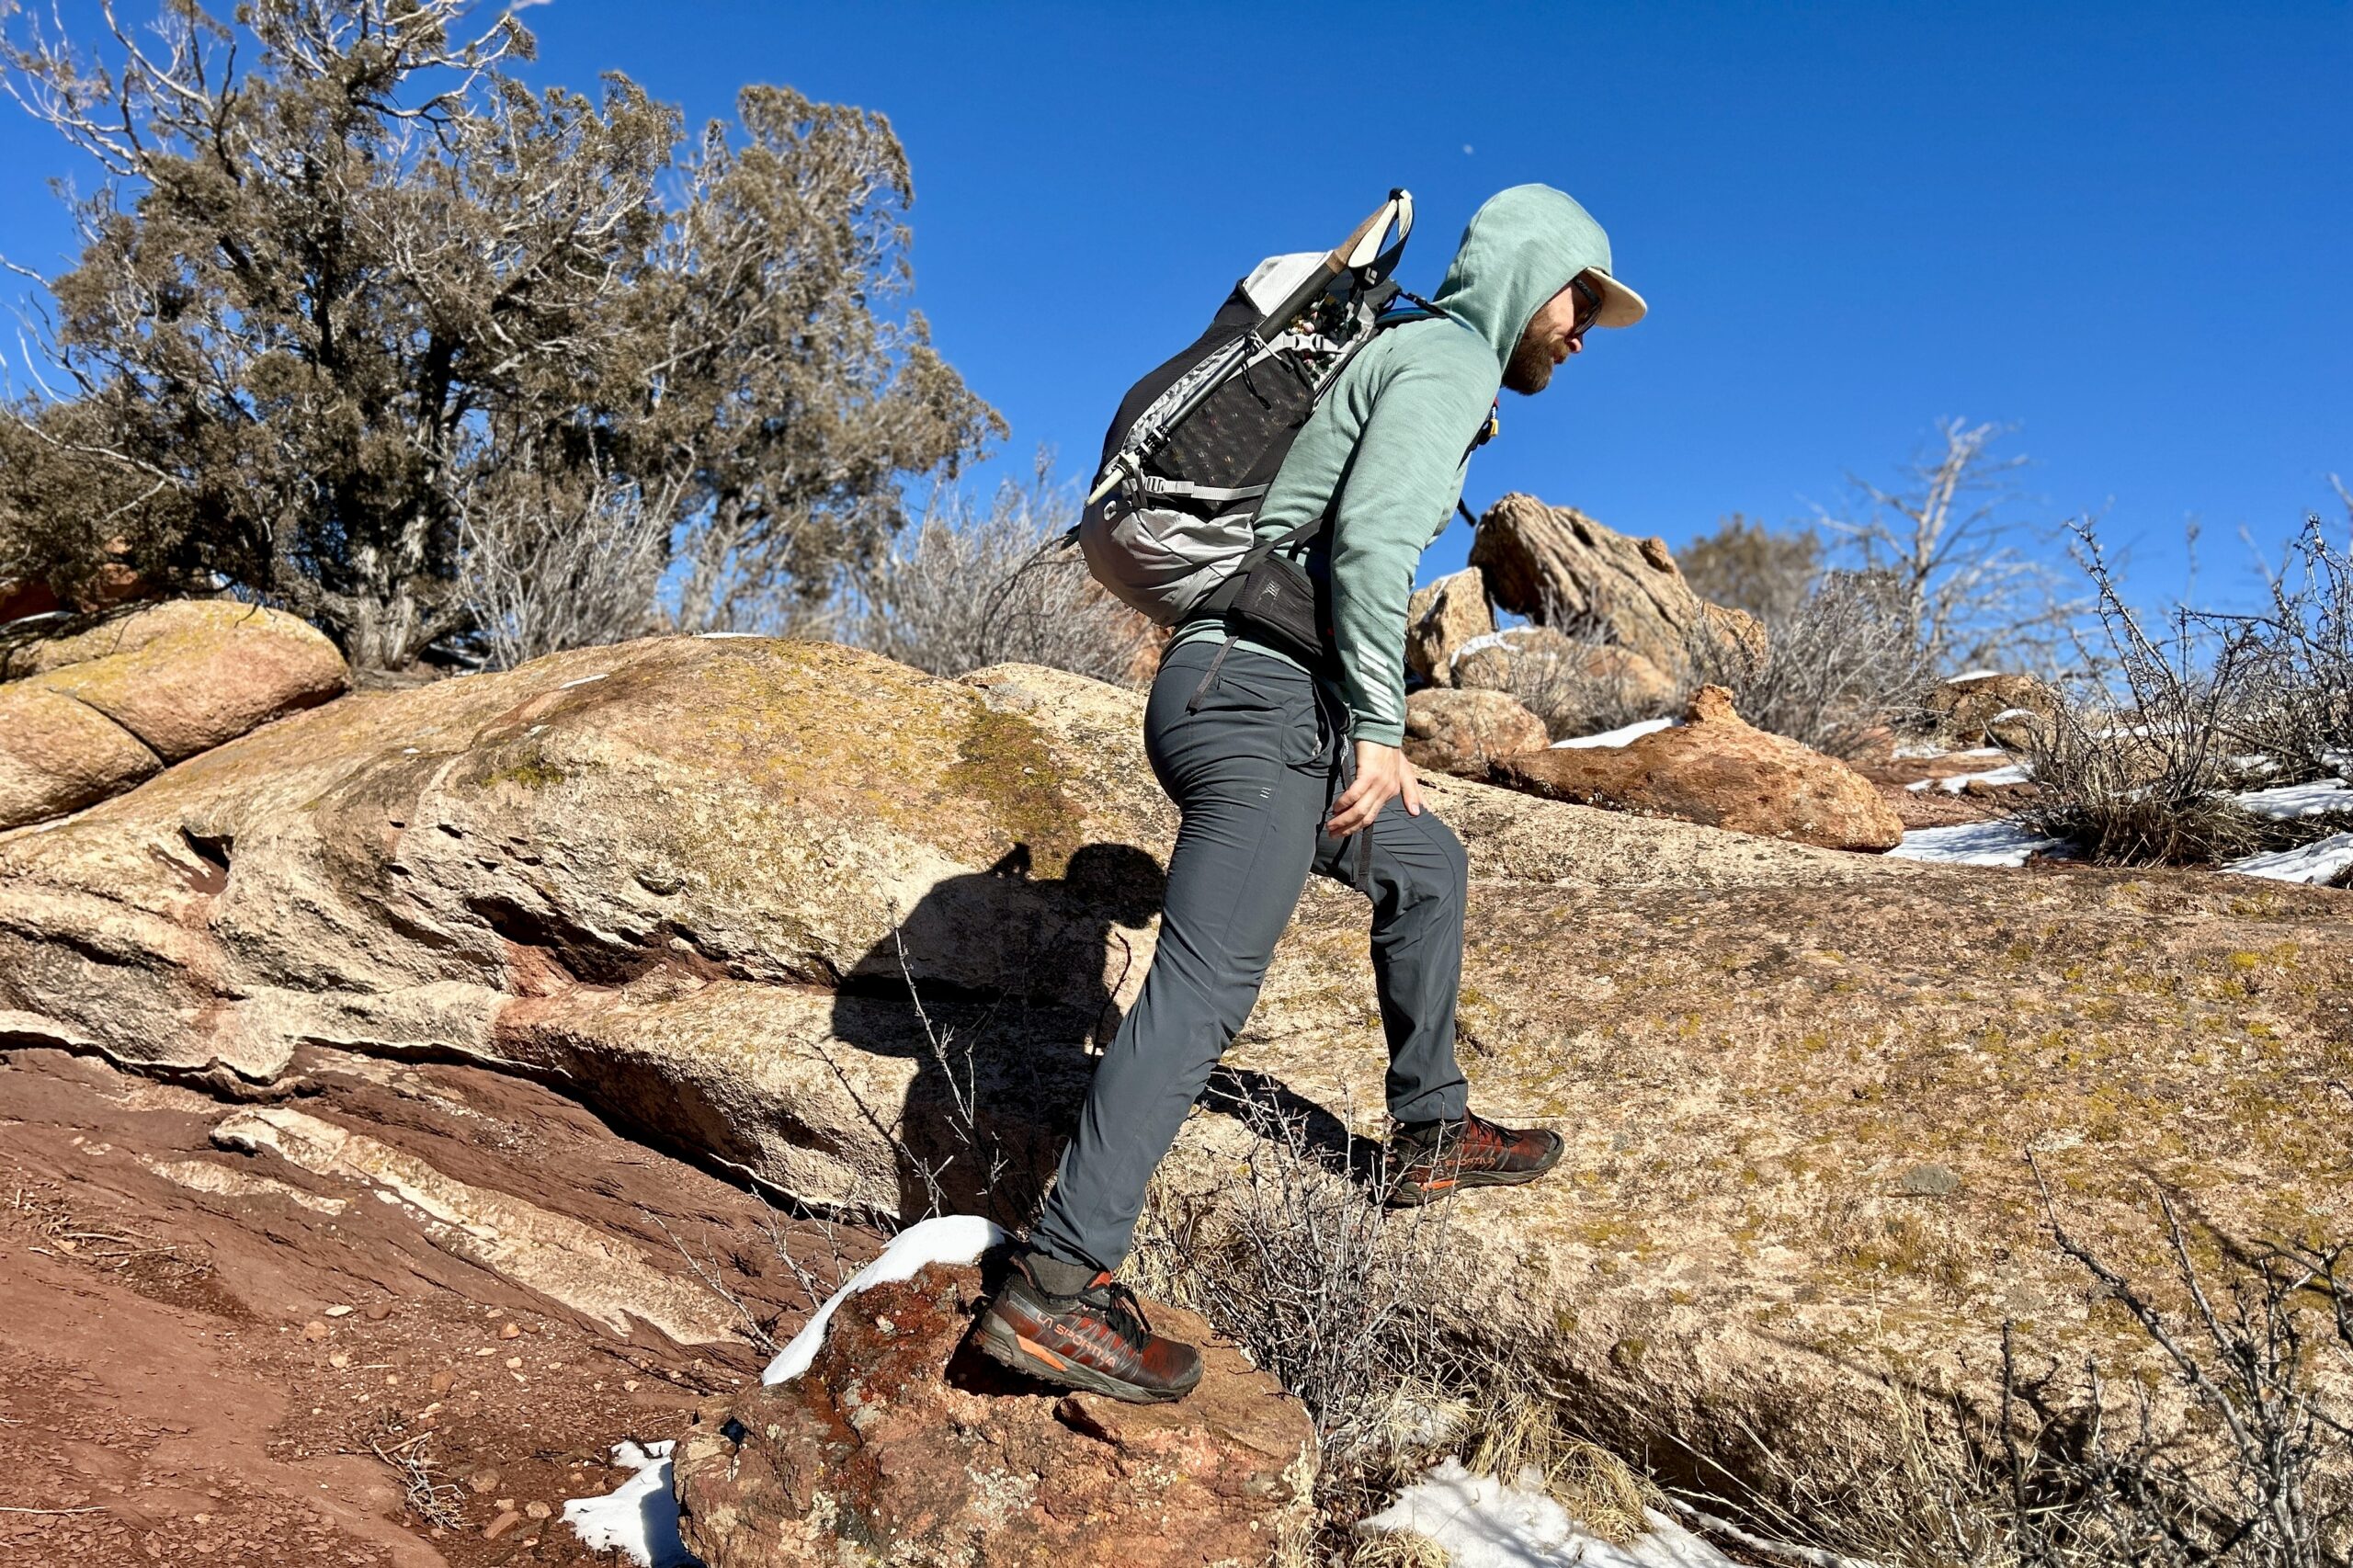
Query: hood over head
(1519, 250)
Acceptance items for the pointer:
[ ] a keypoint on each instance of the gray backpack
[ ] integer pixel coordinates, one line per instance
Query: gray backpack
(1169, 526)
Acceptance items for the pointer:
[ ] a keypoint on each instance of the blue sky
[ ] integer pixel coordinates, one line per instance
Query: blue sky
(2126, 229)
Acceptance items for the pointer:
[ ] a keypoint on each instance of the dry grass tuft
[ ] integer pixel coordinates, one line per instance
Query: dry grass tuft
(1401, 1549)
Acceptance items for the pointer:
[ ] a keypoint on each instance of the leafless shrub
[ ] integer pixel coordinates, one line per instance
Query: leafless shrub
(550, 559)
(2299, 670)
(2257, 1469)
(2236, 1448)
(1843, 668)
(1586, 687)
(2139, 764)
(816, 1284)
(1947, 537)
(1342, 1301)
(710, 1274)
(974, 587)
(971, 1142)
(1305, 1265)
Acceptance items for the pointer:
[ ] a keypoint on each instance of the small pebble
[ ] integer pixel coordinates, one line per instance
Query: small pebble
(501, 1525)
(338, 1360)
(338, 1312)
(315, 1330)
(537, 1510)
(513, 1362)
(510, 1332)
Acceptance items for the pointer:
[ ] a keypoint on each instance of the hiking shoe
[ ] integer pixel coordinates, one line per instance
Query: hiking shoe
(1430, 1160)
(1094, 1338)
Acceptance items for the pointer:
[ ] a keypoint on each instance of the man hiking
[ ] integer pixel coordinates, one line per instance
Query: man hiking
(1277, 770)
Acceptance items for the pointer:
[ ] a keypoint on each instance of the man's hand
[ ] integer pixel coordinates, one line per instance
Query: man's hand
(1382, 772)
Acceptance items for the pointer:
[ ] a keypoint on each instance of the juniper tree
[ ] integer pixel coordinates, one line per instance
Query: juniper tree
(352, 300)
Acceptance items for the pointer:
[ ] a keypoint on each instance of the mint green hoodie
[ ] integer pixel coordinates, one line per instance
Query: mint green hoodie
(1384, 455)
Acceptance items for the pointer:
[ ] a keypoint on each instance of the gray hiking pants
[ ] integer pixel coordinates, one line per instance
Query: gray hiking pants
(1254, 767)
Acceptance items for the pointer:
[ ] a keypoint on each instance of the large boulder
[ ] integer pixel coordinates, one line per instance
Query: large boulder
(85, 716)
(185, 675)
(902, 1444)
(1561, 568)
(1440, 618)
(1464, 732)
(1716, 770)
(690, 880)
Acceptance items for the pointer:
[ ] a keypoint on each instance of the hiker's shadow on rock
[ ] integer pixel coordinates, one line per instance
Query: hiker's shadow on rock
(1274, 1111)
(999, 986)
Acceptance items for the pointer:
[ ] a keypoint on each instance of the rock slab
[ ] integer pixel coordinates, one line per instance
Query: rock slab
(902, 1445)
(690, 880)
(1719, 771)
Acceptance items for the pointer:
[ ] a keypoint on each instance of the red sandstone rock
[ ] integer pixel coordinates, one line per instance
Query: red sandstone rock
(902, 1444)
(1719, 771)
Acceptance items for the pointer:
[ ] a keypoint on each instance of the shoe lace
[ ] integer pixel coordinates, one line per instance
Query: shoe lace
(1121, 1309)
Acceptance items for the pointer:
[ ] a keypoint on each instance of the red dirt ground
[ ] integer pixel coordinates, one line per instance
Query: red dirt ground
(176, 1387)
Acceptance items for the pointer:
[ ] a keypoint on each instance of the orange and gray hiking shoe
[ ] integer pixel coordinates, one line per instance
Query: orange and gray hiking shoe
(1430, 1160)
(1094, 1338)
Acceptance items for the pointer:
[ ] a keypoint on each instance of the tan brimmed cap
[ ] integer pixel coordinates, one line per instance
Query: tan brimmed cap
(1620, 306)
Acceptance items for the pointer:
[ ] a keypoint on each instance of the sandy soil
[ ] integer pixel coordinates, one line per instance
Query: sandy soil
(217, 1358)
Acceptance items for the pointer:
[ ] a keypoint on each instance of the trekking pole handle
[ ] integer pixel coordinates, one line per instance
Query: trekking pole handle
(1358, 250)
(1115, 473)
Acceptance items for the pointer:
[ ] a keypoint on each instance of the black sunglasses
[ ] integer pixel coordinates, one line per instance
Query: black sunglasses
(1589, 298)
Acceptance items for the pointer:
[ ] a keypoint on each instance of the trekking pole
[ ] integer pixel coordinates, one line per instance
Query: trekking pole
(1361, 248)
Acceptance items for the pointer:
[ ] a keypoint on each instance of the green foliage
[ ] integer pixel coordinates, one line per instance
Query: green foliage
(1747, 566)
(353, 305)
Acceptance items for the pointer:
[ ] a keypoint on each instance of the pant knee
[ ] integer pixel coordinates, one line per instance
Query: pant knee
(1448, 874)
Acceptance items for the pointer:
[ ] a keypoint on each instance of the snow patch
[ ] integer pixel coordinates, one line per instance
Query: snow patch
(1614, 738)
(717, 636)
(2315, 862)
(1483, 1522)
(638, 1519)
(1993, 843)
(1480, 644)
(2286, 802)
(2017, 773)
(583, 680)
(1972, 674)
(952, 1238)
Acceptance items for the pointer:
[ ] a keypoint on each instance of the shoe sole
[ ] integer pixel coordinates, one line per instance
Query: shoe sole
(1007, 1347)
(1415, 1195)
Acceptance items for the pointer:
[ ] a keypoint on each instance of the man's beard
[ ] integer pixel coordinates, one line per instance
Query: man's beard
(1530, 371)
